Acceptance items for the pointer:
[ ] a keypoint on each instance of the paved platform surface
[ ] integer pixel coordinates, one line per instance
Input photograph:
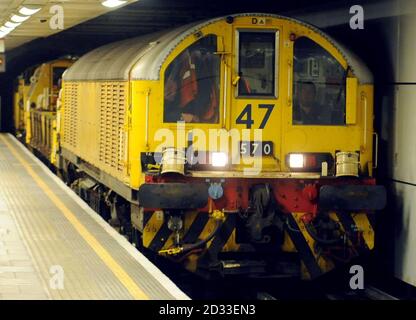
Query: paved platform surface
(54, 246)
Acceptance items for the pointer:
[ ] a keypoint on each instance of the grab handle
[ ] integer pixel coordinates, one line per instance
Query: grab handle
(289, 83)
(376, 151)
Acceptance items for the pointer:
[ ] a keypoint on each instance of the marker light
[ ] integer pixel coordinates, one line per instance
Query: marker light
(11, 25)
(219, 159)
(113, 3)
(19, 19)
(296, 160)
(28, 12)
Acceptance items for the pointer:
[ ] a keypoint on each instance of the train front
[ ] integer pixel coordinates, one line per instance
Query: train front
(265, 161)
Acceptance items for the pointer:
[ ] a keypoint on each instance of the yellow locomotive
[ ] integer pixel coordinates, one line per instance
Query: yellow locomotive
(35, 104)
(237, 145)
(22, 86)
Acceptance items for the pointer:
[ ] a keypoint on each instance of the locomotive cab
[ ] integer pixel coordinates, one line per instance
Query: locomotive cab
(241, 144)
(258, 76)
(38, 102)
(291, 117)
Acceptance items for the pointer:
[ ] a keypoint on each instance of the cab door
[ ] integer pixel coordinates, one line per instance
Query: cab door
(316, 113)
(255, 104)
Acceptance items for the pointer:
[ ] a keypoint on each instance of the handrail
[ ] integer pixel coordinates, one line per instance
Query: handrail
(376, 151)
(289, 83)
(364, 97)
(225, 93)
(146, 139)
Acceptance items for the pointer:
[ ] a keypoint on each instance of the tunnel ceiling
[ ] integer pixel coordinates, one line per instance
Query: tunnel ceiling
(145, 16)
(76, 12)
(139, 17)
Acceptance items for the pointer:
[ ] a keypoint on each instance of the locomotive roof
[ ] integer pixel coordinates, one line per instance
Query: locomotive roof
(141, 58)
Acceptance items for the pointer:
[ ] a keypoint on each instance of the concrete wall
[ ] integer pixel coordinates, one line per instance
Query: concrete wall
(402, 142)
(388, 46)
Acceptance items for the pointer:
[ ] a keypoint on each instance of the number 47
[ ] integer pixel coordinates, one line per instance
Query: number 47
(248, 121)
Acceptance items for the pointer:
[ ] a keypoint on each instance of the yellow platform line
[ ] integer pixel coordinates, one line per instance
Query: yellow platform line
(105, 256)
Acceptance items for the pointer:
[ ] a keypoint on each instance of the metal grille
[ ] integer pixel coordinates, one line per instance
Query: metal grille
(112, 119)
(42, 123)
(70, 118)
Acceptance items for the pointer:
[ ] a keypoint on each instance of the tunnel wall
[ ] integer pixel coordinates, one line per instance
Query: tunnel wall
(387, 44)
(399, 131)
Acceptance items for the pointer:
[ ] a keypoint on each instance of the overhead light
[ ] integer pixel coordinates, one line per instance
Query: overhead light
(3, 34)
(19, 19)
(5, 30)
(113, 3)
(28, 11)
(11, 25)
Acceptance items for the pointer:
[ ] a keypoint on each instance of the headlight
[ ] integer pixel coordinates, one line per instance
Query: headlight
(219, 159)
(296, 160)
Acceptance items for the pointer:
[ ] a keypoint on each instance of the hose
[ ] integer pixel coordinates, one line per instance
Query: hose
(312, 233)
(218, 216)
(190, 247)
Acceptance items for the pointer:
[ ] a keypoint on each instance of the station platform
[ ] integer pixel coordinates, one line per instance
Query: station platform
(54, 246)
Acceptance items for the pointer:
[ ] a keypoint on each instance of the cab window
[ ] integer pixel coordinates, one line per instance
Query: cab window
(192, 82)
(318, 86)
(256, 63)
(57, 75)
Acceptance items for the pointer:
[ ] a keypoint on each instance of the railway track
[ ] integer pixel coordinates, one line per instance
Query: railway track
(376, 294)
(268, 289)
(265, 289)
(369, 293)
